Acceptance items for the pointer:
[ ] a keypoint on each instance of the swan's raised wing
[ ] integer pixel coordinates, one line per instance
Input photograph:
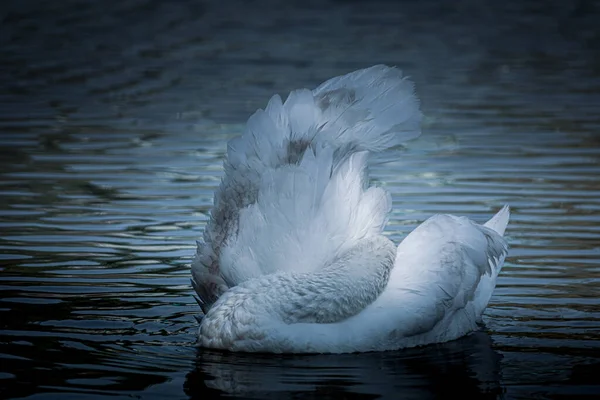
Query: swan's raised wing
(285, 159)
(446, 271)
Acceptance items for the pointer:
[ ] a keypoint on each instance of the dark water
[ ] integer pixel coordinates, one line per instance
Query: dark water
(113, 121)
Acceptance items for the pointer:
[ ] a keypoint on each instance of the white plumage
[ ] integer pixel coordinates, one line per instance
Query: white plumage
(293, 258)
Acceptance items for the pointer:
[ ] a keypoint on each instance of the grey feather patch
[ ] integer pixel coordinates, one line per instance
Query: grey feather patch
(202, 297)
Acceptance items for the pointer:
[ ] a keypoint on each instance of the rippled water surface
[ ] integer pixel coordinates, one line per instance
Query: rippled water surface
(114, 118)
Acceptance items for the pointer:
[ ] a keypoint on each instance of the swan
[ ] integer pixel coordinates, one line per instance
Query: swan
(293, 258)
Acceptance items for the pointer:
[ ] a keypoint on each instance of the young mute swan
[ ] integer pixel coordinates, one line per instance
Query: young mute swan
(293, 259)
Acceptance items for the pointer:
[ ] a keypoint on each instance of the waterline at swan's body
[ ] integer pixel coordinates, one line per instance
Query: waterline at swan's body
(293, 258)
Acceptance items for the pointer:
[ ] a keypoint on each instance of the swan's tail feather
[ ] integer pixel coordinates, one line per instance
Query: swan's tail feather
(295, 191)
(499, 222)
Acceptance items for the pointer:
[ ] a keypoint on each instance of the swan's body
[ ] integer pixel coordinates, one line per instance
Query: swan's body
(293, 258)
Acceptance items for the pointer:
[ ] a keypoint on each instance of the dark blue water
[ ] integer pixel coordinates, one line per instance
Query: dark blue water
(114, 117)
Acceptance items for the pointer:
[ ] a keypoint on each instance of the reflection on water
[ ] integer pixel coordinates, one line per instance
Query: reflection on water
(470, 364)
(113, 122)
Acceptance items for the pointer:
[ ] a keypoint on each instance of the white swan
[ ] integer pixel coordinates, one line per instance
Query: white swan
(293, 259)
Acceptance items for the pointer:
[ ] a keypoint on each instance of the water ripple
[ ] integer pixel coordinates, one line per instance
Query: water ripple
(113, 124)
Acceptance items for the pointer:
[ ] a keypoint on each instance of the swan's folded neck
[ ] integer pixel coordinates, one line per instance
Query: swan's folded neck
(259, 314)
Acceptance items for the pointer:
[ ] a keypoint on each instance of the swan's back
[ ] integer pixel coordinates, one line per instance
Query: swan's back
(295, 194)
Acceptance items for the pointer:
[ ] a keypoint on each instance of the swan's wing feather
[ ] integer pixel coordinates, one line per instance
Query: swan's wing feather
(447, 265)
(305, 217)
(375, 108)
(302, 140)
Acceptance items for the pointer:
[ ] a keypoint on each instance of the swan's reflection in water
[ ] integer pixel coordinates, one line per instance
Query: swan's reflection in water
(469, 366)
